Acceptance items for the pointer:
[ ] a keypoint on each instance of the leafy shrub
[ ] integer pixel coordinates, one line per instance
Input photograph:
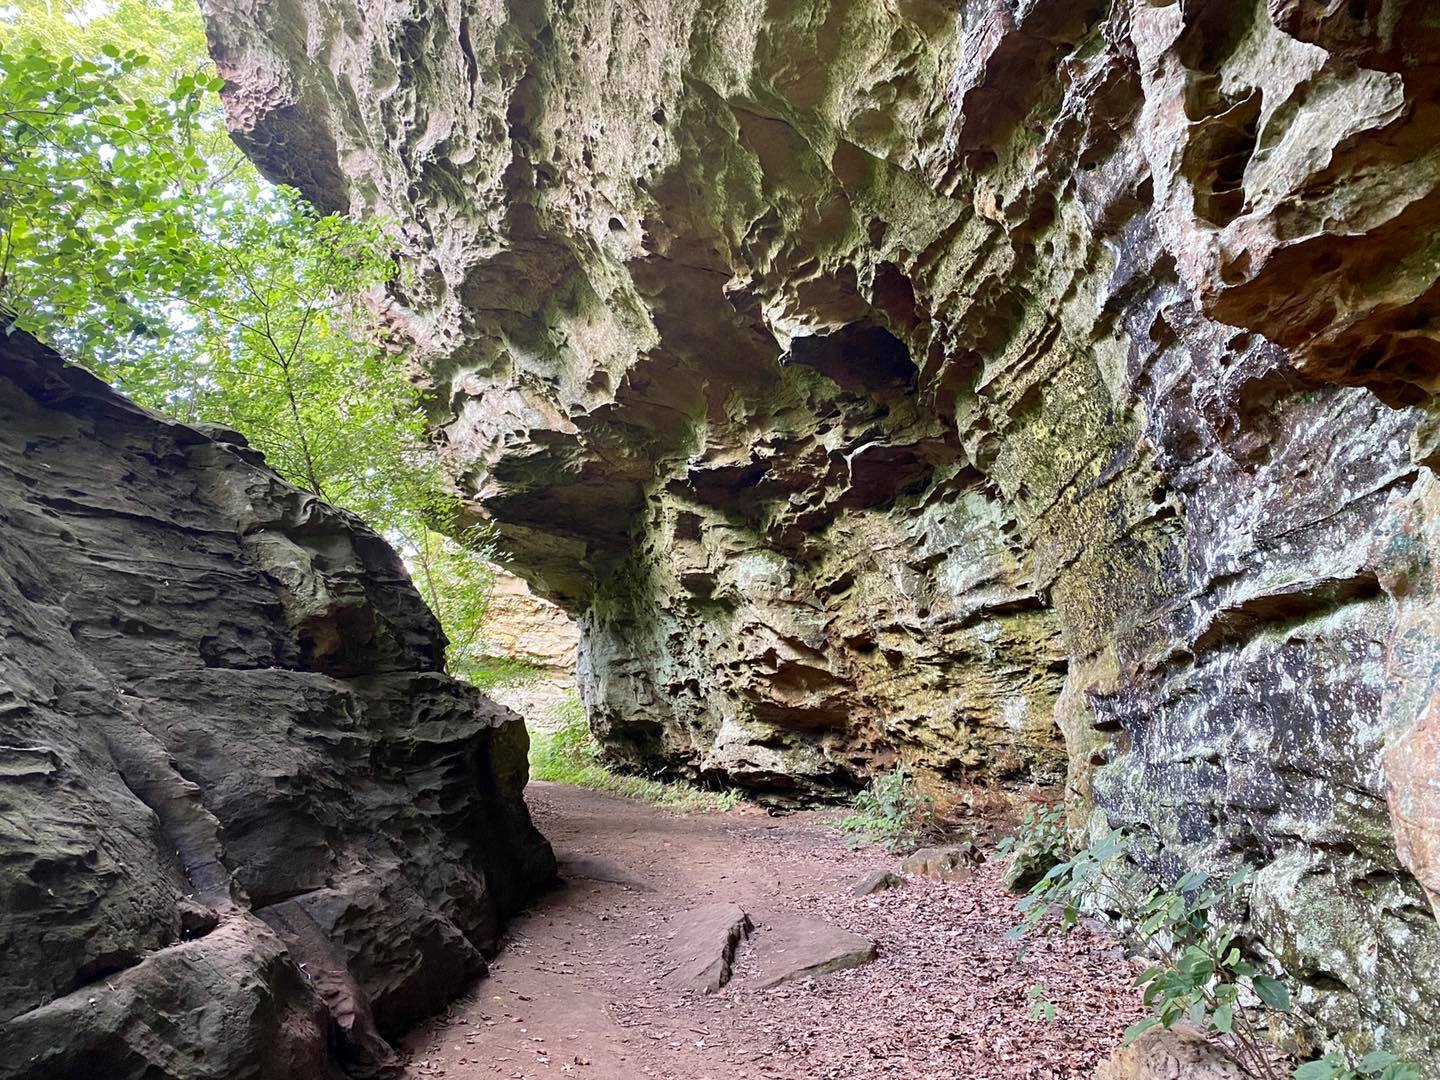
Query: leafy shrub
(1201, 973)
(1038, 846)
(891, 811)
(569, 754)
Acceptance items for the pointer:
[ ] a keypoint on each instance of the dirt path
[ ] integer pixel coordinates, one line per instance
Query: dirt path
(578, 989)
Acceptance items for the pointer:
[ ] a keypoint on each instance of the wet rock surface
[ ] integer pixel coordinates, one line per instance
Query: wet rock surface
(249, 827)
(1026, 390)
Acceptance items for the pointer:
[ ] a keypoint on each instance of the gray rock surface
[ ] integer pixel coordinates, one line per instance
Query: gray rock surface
(1017, 388)
(248, 828)
(704, 946)
(789, 947)
(875, 882)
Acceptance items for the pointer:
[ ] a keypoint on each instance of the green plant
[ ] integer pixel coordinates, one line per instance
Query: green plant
(1041, 1007)
(456, 577)
(1200, 972)
(569, 754)
(1379, 1065)
(1038, 845)
(890, 811)
(136, 239)
(1041, 827)
(1189, 929)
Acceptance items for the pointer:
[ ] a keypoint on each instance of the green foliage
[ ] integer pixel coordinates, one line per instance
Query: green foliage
(1200, 973)
(137, 239)
(456, 577)
(569, 754)
(890, 811)
(1379, 1065)
(1039, 845)
(97, 192)
(1041, 828)
(496, 672)
(1041, 1007)
(169, 30)
(1189, 928)
(195, 287)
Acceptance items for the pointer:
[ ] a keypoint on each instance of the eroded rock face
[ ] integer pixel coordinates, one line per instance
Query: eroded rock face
(878, 377)
(520, 624)
(247, 826)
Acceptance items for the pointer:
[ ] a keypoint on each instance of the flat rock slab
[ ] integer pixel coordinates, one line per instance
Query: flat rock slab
(789, 947)
(703, 947)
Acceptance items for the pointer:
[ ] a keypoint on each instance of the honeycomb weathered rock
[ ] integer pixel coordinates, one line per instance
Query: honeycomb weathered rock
(248, 829)
(1022, 387)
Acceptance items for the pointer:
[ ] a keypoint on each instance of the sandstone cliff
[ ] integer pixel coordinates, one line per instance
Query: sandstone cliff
(247, 826)
(522, 625)
(1026, 388)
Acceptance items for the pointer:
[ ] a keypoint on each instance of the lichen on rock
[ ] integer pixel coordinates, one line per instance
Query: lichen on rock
(1022, 389)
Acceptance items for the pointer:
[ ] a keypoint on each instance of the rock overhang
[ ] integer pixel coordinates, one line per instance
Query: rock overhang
(1026, 391)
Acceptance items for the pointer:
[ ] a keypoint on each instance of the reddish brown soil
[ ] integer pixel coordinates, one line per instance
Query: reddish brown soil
(577, 990)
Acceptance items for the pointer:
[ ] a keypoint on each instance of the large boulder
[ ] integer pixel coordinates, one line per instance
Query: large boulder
(1023, 388)
(248, 828)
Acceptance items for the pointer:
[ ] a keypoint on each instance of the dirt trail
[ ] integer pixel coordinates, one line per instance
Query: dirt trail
(578, 990)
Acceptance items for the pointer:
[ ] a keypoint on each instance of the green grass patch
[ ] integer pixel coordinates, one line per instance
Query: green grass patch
(570, 755)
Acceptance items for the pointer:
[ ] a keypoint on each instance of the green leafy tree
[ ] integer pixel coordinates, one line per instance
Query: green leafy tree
(455, 577)
(136, 238)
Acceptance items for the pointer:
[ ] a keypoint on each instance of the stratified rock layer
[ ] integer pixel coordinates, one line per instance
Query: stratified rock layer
(247, 827)
(520, 625)
(898, 377)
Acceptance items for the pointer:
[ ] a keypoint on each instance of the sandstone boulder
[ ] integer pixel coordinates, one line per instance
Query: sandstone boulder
(788, 947)
(1181, 1053)
(248, 828)
(876, 882)
(703, 946)
(954, 863)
